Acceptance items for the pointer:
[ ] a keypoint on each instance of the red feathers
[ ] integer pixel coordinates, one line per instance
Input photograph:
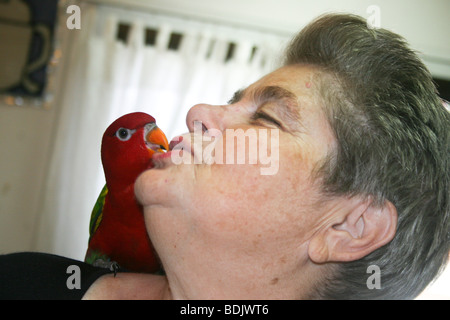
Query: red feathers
(121, 236)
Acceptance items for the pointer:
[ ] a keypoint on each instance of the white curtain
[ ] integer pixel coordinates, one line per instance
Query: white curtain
(107, 77)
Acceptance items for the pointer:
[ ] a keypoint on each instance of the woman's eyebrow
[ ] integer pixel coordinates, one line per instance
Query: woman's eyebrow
(287, 104)
(286, 101)
(268, 94)
(237, 96)
(278, 95)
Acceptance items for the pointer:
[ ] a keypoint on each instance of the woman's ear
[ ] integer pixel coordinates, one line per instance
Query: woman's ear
(359, 228)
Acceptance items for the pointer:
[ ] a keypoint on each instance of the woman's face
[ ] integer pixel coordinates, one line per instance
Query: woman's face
(244, 206)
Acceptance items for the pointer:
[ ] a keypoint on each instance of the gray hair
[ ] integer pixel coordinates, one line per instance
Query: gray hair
(393, 136)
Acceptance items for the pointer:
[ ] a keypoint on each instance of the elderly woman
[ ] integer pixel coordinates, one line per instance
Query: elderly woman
(361, 182)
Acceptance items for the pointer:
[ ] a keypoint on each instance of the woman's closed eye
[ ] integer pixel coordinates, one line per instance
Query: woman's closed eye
(259, 115)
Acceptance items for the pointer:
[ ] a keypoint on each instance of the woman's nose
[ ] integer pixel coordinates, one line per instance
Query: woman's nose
(210, 117)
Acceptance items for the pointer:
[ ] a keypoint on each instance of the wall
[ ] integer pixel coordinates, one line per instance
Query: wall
(26, 137)
(25, 145)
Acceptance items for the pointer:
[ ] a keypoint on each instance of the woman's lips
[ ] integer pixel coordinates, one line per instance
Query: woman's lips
(173, 145)
(174, 142)
(159, 156)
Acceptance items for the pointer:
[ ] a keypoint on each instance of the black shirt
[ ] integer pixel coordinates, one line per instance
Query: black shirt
(31, 275)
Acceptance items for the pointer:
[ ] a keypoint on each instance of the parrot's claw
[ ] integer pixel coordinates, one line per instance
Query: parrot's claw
(114, 267)
(111, 265)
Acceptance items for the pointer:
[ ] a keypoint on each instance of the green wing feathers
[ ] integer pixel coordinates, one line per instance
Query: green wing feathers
(97, 212)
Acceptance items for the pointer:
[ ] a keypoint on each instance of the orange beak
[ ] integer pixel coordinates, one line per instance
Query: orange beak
(158, 140)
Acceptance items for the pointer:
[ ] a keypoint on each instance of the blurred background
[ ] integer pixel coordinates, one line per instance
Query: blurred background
(67, 72)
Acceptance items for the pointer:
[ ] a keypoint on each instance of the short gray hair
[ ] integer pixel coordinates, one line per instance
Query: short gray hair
(393, 137)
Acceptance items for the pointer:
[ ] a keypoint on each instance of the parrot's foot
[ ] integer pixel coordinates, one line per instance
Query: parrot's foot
(111, 265)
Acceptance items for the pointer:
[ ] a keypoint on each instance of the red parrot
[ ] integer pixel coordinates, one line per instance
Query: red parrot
(118, 236)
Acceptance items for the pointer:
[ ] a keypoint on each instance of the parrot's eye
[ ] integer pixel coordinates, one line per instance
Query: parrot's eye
(124, 134)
